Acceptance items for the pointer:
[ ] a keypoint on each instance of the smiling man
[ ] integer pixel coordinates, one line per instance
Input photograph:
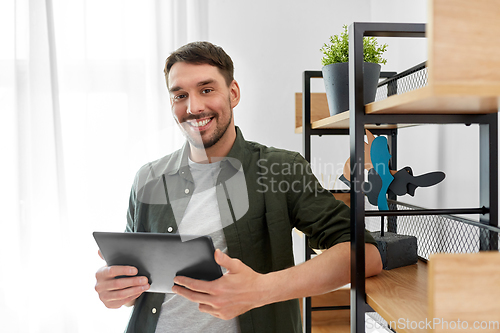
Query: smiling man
(260, 288)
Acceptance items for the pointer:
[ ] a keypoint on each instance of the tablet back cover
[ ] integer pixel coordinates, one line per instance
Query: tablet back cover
(160, 257)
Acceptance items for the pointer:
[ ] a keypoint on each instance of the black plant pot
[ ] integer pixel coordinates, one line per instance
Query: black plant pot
(336, 78)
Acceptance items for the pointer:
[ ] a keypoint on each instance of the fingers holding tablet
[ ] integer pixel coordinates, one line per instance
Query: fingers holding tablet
(115, 292)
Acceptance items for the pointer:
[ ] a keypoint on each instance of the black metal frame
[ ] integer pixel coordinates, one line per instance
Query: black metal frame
(307, 132)
(488, 160)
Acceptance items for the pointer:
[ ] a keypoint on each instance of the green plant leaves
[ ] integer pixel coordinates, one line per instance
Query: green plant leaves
(338, 49)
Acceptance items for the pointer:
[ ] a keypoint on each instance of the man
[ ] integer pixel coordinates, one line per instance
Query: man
(259, 291)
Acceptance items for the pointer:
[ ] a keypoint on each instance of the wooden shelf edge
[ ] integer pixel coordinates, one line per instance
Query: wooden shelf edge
(439, 99)
(396, 101)
(399, 294)
(341, 121)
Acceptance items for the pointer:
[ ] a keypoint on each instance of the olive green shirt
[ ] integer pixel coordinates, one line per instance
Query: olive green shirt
(282, 194)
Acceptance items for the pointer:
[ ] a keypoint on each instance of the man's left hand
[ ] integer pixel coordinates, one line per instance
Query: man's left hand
(236, 292)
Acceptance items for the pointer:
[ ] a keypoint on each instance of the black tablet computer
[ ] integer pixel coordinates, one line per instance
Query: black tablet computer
(160, 257)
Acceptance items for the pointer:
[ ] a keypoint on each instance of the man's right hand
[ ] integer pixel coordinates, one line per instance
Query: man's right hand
(123, 291)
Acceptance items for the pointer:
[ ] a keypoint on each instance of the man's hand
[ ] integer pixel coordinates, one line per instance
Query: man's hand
(236, 292)
(242, 289)
(123, 291)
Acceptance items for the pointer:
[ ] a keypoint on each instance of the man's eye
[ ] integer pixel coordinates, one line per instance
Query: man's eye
(180, 96)
(206, 91)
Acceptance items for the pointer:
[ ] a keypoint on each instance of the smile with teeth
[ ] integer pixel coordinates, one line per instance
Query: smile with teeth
(199, 123)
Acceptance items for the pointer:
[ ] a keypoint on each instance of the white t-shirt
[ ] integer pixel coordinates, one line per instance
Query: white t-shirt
(202, 217)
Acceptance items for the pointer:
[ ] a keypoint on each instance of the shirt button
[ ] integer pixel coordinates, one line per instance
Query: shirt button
(153, 310)
(186, 191)
(170, 229)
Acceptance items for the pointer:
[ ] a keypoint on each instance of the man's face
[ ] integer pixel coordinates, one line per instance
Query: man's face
(201, 102)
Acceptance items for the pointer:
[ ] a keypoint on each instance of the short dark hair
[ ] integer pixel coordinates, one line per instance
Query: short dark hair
(202, 53)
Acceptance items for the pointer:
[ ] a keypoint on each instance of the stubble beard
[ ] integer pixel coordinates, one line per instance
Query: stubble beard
(218, 133)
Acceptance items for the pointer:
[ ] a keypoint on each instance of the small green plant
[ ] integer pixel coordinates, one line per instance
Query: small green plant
(338, 50)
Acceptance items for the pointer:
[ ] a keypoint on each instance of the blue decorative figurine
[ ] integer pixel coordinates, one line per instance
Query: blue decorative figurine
(380, 157)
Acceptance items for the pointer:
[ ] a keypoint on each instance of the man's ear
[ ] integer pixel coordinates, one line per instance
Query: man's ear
(234, 93)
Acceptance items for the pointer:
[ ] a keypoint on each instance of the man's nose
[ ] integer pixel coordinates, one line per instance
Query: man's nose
(195, 105)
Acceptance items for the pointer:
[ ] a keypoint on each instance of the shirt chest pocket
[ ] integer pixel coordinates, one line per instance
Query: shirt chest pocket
(155, 218)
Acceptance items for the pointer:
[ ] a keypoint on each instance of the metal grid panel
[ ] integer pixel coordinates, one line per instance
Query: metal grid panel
(411, 79)
(435, 233)
(375, 323)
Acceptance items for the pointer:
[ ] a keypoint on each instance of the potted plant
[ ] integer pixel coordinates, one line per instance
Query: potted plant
(336, 70)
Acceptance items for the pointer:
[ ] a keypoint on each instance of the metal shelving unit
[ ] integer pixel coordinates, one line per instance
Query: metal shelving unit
(358, 118)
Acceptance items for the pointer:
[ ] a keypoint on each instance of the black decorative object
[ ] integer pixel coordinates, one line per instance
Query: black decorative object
(372, 188)
(405, 183)
(396, 250)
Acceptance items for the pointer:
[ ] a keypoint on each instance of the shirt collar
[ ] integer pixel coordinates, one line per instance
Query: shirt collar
(237, 153)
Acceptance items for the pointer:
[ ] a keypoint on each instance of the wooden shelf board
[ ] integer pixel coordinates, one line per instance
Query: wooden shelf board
(341, 121)
(437, 100)
(320, 115)
(473, 59)
(336, 328)
(339, 297)
(469, 295)
(399, 293)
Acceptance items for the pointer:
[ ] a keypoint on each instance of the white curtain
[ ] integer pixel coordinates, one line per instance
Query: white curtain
(83, 105)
